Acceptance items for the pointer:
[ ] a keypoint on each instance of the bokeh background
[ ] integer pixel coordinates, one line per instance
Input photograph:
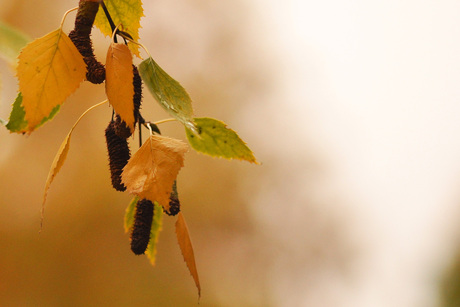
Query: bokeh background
(352, 108)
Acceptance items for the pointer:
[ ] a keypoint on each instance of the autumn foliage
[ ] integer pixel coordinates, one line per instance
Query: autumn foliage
(51, 68)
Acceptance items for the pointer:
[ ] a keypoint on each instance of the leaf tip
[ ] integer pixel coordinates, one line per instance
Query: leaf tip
(185, 244)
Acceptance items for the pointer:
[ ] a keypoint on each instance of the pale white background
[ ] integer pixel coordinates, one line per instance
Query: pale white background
(372, 88)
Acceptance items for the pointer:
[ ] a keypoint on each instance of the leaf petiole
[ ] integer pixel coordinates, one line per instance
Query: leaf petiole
(165, 121)
(65, 15)
(151, 126)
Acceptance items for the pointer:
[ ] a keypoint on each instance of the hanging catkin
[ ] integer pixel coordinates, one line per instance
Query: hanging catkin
(119, 155)
(140, 235)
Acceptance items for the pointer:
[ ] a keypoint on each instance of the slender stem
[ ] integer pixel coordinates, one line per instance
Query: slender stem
(112, 25)
(165, 121)
(65, 15)
(123, 34)
(109, 18)
(89, 109)
(150, 128)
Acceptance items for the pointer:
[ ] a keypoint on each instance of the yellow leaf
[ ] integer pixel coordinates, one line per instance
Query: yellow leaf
(129, 214)
(125, 12)
(58, 161)
(119, 82)
(151, 171)
(49, 70)
(157, 223)
(61, 156)
(185, 244)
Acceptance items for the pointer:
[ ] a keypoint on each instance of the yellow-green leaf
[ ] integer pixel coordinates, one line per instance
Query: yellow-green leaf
(215, 139)
(129, 214)
(155, 230)
(185, 244)
(61, 156)
(168, 92)
(49, 70)
(119, 82)
(125, 12)
(11, 42)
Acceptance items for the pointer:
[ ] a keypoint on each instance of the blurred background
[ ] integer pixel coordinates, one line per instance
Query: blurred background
(352, 108)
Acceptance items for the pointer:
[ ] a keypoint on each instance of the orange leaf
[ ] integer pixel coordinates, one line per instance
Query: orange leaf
(151, 171)
(58, 161)
(49, 70)
(119, 82)
(183, 238)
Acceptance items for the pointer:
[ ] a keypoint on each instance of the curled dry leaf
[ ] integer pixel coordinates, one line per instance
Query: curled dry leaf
(61, 156)
(119, 82)
(185, 244)
(151, 171)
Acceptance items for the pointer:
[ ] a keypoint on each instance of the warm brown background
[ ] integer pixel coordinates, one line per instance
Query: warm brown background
(82, 257)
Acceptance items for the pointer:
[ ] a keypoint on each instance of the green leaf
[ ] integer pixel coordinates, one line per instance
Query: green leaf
(125, 12)
(155, 233)
(215, 139)
(11, 42)
(3, 122)
(17, 122)
(168, 92)
(129, 214)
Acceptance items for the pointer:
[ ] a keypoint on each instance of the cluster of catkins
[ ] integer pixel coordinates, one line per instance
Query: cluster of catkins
(117, 132)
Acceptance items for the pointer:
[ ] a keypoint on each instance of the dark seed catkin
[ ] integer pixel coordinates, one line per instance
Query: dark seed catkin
(137, 83)
(174, 203)
(121, 129)
(119, 155)
(140, 235)
(80, 36)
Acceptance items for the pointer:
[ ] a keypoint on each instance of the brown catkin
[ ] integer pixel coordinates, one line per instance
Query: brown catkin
(118, 155)
(140, 235)
(121, 129)
(174, 203)
(137, 82)
(80, 36)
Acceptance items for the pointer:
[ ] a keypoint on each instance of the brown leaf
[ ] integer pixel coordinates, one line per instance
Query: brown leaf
(119, 82)
(151, 171)
(185, 244)
(61, 156)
